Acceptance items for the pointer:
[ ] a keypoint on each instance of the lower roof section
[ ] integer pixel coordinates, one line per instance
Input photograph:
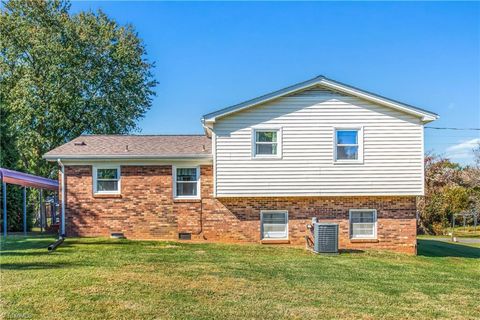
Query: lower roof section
(139, 147)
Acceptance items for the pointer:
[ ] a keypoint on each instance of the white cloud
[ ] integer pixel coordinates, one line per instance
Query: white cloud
(463, 150)
(465, 145)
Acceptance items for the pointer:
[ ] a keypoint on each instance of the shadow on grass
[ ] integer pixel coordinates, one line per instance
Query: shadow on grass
(23, 253)
(350, 251)
(103, 243)
(34, 266)
(437, 248)
(24, 244)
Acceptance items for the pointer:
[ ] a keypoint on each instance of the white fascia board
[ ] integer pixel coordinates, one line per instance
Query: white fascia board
(262, 99)
(322, 81)
(207, 127)
(247, 106)
(90, 157)
(137, 162)
(382, 101)
(78, 160)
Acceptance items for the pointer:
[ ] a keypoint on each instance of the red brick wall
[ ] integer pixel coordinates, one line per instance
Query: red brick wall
(147, 210)
(237, 219)
(144, 209)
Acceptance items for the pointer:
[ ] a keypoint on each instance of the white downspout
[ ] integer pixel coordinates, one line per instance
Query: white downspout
(62, 228)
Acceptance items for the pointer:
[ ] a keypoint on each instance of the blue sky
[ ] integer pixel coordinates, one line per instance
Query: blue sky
(210, 55)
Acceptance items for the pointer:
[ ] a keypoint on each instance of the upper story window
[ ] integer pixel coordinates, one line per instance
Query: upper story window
(106, 180)
(348, 145)
(186, 182)
(267, 143)
(363, 224)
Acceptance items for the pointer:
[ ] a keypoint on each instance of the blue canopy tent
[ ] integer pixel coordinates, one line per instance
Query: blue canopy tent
(25, 180)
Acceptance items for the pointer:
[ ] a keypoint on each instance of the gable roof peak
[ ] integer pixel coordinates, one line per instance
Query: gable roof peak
(426, 116)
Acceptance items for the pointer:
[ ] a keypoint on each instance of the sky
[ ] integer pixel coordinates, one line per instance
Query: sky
(210, 55)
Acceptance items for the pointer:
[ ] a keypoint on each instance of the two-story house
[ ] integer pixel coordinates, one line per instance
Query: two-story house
(261, 172)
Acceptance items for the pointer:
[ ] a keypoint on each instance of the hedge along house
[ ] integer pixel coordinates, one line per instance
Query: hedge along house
(262, 170)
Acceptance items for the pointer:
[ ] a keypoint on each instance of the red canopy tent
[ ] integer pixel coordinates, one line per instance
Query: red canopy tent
(25, 180)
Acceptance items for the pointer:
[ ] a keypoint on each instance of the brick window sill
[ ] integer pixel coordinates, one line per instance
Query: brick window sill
(271, 241)
(364, 241)
(187, 200)
(107, 196)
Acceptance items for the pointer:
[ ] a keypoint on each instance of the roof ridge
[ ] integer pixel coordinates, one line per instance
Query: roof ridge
(263, 96)
(328, 83)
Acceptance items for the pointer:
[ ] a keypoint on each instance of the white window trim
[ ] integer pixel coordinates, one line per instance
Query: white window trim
(106, 166)
(279, 143)
(261, 223)
(360, 145)
(374, 237)
(174, 187)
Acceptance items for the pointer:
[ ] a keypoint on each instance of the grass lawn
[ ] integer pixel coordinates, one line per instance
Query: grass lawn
(469, 231)
(122, 279)
(463, 232)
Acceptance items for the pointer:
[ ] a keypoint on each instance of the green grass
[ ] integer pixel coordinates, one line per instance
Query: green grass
(468, 231)
(122, 279)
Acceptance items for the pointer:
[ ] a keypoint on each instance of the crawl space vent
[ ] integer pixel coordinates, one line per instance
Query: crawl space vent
(117, 235)
(185, 236)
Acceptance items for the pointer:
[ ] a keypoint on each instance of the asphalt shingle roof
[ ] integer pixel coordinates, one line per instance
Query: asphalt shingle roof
(134, 146)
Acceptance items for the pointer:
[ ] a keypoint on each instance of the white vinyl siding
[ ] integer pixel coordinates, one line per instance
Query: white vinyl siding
(274, 224)
(392, 149)
(363, 224)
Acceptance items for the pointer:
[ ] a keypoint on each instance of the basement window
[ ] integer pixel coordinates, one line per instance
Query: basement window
(274, 224)
(363, 224)
(106, 179)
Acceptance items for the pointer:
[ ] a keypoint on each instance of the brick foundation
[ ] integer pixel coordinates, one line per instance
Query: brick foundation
(146, 210)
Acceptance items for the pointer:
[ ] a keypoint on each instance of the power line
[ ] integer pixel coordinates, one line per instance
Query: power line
(445, 128)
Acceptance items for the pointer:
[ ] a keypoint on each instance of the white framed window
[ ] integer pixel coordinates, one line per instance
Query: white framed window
(363, 223)
(267, 142)
(348, 145)
(106, 179)
(186, 182)
(274, 224)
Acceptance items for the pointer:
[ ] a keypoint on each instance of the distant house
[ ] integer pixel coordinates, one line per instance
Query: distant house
(260, 172)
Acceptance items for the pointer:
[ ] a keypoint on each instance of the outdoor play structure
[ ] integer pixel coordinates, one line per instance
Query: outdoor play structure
(48, 206)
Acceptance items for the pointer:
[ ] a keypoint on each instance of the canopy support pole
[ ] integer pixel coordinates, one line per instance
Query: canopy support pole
(40, 209)
(24, 211)
(4, 189)
(453, 225)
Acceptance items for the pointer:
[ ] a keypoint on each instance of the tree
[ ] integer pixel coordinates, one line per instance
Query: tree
(439, 174)
(476, 155)
(449, 189)
(63, 75)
